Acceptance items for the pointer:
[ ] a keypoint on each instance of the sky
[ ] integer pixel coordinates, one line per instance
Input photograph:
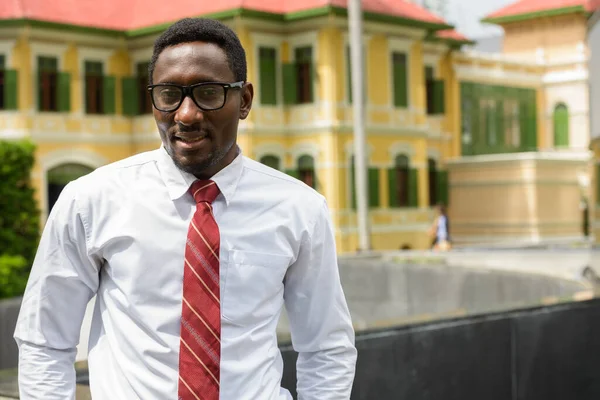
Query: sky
(466, 14)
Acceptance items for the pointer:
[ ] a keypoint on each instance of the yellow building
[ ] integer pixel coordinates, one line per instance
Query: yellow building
(442, 124)
(542, 193)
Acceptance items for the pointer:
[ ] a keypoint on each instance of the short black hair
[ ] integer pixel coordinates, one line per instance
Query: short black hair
(203, 30)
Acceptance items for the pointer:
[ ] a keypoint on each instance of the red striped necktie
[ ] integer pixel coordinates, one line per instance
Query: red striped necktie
(200, 343)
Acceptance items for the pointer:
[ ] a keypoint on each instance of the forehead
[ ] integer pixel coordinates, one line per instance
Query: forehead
(193, 62)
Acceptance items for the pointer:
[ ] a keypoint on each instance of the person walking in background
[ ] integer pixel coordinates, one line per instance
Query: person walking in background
(191, 250)
(440, 230)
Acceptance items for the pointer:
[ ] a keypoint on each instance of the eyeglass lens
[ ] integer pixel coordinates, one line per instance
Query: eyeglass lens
(206, 96)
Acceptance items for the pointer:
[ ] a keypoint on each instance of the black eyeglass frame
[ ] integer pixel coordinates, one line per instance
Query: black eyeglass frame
(188, 91)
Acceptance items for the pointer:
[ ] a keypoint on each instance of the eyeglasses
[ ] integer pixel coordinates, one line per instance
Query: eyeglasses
(208, 96)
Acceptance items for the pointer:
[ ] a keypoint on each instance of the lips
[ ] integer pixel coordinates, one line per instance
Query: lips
(190, 137)
(189, 141)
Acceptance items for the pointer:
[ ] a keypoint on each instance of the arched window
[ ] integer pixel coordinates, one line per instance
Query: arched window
(433, 181)
(270, 161)
(58, 177)
(399, 186)
(306, 170)
(561, 125)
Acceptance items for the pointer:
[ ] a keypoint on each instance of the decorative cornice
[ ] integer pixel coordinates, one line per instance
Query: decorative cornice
(536, 14)
(240, 12)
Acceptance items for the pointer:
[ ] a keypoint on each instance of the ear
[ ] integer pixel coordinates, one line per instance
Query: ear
(246, 100)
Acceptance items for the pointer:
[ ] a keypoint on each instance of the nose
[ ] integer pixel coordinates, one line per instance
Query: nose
(188, 112)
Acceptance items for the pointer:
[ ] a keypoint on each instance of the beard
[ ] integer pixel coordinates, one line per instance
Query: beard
(199, 164)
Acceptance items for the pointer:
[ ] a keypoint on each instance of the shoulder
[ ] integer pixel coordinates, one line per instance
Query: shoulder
(265, 175)
(116, 178)
(278, 187)
(109, 172)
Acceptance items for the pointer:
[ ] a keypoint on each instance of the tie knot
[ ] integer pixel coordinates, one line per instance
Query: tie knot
(204, 191)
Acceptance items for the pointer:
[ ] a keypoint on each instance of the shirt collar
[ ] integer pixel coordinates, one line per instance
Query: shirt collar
(178, 182)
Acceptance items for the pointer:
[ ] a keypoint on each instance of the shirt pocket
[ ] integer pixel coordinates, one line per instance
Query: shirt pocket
(252, 289)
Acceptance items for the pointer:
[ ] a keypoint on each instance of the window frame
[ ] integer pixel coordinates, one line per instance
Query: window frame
(94, 102)
(102, 55)
(2, 81)
(39, 49)
(47, 85)
(303, 40)
(400, 45)
(305, 94)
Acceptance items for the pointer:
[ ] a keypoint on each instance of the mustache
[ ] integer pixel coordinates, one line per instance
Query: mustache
(179, 128)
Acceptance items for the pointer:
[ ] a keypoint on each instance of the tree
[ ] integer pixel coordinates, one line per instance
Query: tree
(19, 216)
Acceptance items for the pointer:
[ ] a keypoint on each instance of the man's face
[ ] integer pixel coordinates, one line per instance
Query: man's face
(200, 142)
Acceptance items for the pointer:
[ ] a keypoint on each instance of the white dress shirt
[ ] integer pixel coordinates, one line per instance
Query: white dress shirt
(120, 232)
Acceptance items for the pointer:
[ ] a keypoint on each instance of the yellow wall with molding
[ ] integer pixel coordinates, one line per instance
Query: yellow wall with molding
(323, 128)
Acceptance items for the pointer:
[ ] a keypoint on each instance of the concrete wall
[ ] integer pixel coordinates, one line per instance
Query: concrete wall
(389, 291)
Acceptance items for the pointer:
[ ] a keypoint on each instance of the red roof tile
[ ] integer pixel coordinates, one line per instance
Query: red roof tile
(452, 35)
(133, 14)
(531, 6)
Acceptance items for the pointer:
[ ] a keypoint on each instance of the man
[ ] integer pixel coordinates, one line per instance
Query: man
(192, 250)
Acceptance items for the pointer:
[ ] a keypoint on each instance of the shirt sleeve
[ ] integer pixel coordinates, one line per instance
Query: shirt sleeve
(320, 322)
(63, 279)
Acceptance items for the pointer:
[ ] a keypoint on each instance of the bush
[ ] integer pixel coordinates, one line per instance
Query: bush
(13, 275)
(19, 215)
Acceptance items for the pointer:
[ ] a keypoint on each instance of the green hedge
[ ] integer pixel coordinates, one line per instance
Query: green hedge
(19, 216)
(13, 275)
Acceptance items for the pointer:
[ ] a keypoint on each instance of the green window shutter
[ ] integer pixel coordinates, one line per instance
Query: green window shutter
(130, 96)
(413, 188)
(438, 97)
(268, 76)
(523, 121)
(528, 120)
(598, 184)
(442, 186)
(477, 134)
(289, 84)
(293, 172)
(311, 86)
(352, 186)
(349, 74)
(400, 82)
(561, 125)
(39, 90)
(393, 187)
(373, 187)
(499, 118)
(108, 95)
(467, 114)
(64, 91)
(10, 89)
(532, 142)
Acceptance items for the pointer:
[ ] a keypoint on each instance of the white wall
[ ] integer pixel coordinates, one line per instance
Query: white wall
(575, 96)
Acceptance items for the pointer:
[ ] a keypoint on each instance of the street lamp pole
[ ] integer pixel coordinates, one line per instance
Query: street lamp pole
(358, 95)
